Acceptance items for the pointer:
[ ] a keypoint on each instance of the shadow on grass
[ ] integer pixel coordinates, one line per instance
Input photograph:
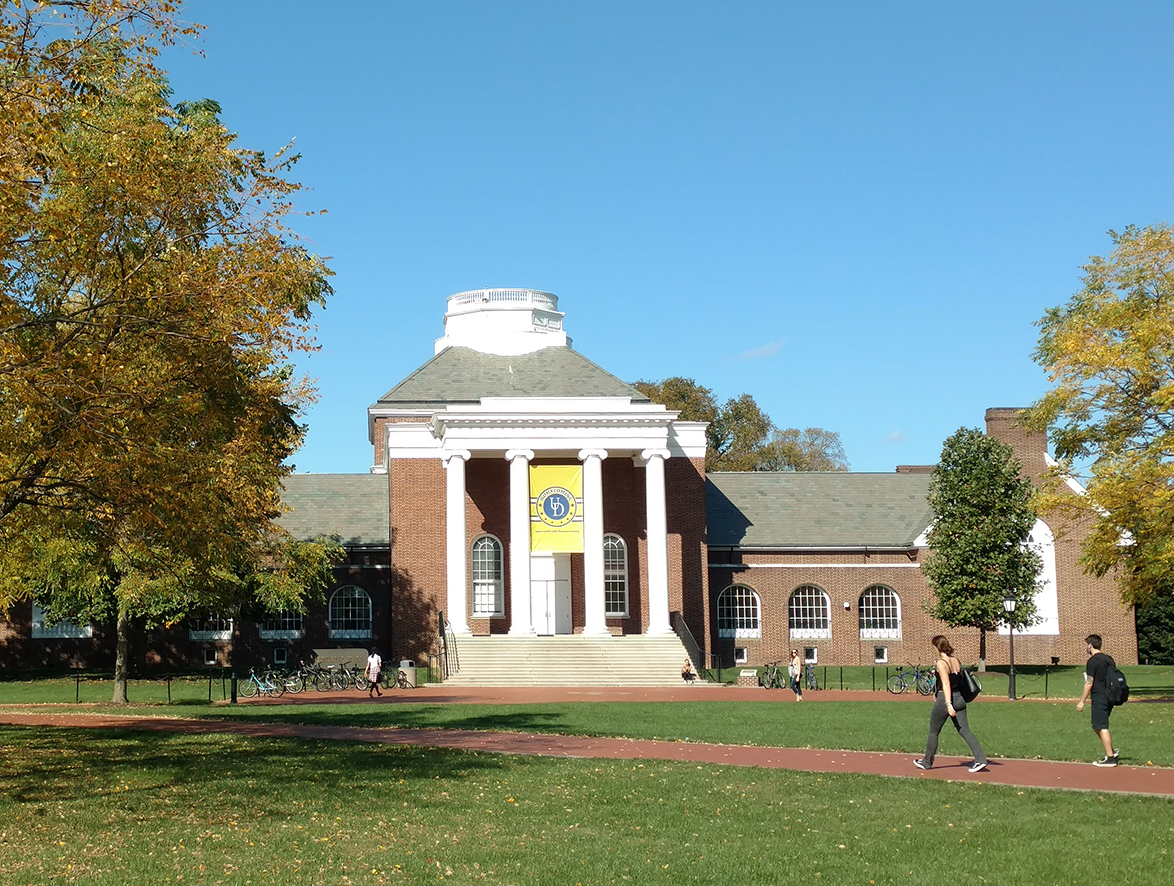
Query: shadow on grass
(42, 765)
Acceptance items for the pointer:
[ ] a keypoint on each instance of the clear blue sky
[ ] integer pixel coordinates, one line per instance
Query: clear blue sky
(854, 212)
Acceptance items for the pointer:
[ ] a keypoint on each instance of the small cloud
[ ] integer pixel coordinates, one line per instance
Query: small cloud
(896, 437)
(767, 350)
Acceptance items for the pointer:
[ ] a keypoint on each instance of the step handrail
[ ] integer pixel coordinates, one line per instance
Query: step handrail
(450, 657)
(687, 640)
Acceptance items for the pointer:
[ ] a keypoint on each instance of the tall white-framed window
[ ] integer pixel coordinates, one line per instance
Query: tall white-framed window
(281, 626)
(488, 578)
(209, 627)
(880, 613)
(1047, 605)
(615, 576)
(350, 614)
(738, 613)
(809, 613)
(66, 629)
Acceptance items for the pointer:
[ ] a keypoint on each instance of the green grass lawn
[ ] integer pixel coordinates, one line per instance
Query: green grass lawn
(118, 807)
(1144, 731)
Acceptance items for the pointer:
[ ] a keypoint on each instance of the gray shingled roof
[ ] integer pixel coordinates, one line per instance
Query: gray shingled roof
(352, 506)
(816, 509)
(462, 375)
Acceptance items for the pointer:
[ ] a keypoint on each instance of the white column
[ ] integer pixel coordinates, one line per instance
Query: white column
(658, 539)
(520, 621)
(456, 542)
(594, 623)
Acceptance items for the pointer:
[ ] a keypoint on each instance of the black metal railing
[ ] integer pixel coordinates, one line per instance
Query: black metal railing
(690, 643)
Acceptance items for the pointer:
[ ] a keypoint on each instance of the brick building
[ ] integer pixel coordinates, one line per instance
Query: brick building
(829, 563)
(669, 562)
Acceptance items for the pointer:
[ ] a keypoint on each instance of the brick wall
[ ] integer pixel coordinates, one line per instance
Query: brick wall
(418, 566)
(1088, 604)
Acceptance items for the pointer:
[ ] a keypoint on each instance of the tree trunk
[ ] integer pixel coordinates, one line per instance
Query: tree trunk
(982, 650)
(121, 657)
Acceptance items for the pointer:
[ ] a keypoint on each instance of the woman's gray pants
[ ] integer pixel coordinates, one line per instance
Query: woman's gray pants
(938, 718)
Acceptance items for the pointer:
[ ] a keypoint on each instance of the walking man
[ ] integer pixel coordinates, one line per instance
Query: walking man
(1095, 683)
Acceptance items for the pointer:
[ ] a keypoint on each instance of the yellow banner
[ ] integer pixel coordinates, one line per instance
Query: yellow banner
(556, 508)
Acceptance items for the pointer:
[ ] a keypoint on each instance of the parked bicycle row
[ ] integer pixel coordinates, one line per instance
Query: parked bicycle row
(275, 682)
(776, 676)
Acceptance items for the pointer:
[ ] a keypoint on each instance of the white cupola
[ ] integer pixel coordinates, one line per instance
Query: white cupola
(503, 321)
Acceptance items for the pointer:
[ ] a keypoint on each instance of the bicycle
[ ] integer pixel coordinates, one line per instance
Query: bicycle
(922, 680)
(774, 677)
(266, 685)
(812, 682)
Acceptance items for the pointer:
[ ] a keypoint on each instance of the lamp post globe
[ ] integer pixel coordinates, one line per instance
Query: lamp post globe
(1009, 603)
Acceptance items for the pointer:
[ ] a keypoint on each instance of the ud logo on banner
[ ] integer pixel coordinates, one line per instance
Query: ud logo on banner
(556, 508)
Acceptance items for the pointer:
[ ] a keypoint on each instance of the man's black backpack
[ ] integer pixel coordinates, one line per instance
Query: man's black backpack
(1116, 689)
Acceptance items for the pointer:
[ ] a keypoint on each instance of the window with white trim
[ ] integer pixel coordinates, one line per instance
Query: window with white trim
(281, 626)
(615, 576)
(209, 627)
(66, 629)
(350, 614)
(809, 613)
(488, 580)
(880, 613)
(737, 613)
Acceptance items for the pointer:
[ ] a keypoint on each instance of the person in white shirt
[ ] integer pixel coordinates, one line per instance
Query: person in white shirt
(374, 666)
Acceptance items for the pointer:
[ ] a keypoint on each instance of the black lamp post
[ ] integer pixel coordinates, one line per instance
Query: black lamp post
(1009, 603)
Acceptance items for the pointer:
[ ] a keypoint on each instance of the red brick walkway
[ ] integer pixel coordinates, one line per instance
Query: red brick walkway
(1027, 773)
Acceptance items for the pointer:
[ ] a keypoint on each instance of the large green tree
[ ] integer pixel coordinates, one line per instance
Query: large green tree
(982, 517)
(741, 437)
(1109, 353)
(1155, 631)
(151, 299)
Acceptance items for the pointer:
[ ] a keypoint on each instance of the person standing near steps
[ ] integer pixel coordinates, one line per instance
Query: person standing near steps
(949, 704)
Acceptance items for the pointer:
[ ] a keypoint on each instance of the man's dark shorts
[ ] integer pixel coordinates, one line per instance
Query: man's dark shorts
(1100, 712)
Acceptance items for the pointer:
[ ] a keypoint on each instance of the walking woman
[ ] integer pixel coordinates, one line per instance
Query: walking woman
(949, 703)
(795, 672)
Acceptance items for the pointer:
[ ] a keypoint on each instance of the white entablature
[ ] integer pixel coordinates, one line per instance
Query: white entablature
(552, 426)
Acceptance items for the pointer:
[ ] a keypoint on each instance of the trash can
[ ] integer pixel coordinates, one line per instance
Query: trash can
(408, 669)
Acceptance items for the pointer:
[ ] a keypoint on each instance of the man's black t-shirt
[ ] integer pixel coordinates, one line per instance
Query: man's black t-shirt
(1098, 665)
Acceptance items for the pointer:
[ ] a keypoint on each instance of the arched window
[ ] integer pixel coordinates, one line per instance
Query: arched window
(880, 614)
(285, 625)
(737, 613)
(1047, 606)
(615, 576)
(350, 614)
(209, 627)
(488, 584)
(809, 613)
(65, 629)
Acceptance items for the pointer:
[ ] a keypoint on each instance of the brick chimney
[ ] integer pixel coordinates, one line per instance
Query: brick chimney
(1030, 448)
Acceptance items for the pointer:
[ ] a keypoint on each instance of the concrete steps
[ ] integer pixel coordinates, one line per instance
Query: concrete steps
(569, 660)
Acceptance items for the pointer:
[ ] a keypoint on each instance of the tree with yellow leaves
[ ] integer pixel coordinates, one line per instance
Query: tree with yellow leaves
(151, 299)
(1109, 353)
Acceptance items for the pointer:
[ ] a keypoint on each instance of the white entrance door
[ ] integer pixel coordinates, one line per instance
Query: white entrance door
(550, 593)
(561, 593)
